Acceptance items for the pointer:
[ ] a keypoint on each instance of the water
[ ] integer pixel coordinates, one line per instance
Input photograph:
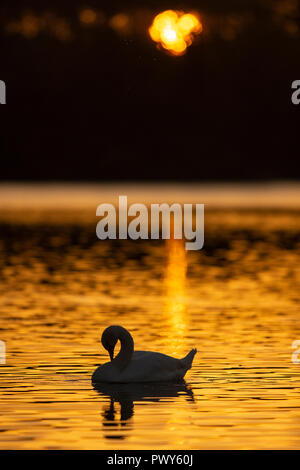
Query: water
(237, 301)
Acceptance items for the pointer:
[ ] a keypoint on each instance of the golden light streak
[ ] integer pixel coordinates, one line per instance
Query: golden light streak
(175, 280)
(175, 30)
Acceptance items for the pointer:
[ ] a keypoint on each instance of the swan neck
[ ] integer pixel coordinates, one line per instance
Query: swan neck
(126, 351)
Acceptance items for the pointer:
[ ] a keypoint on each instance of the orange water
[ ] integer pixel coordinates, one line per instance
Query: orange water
(237, 301)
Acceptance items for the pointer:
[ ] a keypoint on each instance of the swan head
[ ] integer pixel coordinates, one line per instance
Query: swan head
(109, 339)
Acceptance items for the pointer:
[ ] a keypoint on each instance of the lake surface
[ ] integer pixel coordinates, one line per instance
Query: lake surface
(237, 301)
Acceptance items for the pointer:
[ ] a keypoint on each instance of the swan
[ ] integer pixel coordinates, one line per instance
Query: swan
(138, 366)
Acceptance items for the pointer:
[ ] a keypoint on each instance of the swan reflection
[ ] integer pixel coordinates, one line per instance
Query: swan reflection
(125, 395)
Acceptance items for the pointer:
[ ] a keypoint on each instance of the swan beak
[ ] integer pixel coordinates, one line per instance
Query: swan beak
(111, 353)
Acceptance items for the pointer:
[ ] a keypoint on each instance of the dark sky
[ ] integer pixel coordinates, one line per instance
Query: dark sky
(101, 104)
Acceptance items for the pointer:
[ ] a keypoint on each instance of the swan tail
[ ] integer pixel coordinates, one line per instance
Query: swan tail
(187, 361)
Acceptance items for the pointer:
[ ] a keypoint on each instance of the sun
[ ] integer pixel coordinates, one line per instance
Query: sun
(175, 30)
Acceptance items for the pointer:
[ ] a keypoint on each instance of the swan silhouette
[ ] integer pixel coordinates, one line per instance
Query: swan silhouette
(138, 366)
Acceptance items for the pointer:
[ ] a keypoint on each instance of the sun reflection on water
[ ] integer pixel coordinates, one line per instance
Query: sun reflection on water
(175, 284)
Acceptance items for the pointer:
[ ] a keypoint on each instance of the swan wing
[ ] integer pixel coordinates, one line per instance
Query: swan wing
(153, 367)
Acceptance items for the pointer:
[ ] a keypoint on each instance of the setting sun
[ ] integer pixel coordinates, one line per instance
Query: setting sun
(175, 30)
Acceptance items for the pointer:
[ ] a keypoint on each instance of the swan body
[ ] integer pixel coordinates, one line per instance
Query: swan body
(138, 366)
